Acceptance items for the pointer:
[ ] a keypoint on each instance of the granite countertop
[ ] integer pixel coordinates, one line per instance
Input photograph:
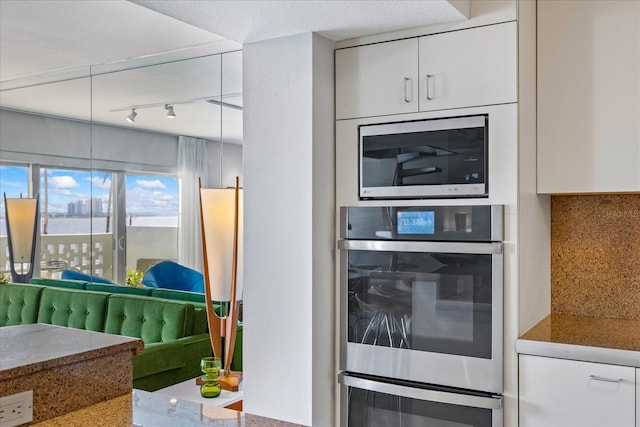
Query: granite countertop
(590, 339)
(31, 348)
(148, 409)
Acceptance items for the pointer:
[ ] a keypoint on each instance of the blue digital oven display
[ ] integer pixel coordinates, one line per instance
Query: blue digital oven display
(416, 222)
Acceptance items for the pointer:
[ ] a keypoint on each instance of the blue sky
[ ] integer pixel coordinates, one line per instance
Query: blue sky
(150, 195)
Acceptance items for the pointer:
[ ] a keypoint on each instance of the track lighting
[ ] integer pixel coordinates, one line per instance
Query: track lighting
(168, 107)
(132, 117)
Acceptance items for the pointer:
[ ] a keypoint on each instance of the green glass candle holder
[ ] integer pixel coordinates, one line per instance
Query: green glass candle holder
(210, 366)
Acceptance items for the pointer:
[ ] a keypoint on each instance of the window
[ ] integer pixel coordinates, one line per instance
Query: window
(76, 232)
(74, 201)
(152, 209)
(152, 201)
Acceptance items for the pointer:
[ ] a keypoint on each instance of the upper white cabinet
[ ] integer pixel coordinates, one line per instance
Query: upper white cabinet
(568, 393)
(377, 79)
(457, 69)
(588, 96)
(469, 68)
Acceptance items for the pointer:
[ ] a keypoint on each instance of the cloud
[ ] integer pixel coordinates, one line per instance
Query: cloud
(63, 182)
(151, 184)
(100, 182)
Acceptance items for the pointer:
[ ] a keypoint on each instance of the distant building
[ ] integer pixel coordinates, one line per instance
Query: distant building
(80, 207)
(71, 209)
(96, 206)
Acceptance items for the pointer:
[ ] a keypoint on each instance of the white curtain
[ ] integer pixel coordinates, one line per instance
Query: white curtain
(192, 164)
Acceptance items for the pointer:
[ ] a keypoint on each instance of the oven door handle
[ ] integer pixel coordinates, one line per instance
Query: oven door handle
(422, 394)
(411, 246)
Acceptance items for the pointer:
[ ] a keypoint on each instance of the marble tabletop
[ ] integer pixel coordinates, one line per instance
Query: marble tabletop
(26, 349)
(149, 409)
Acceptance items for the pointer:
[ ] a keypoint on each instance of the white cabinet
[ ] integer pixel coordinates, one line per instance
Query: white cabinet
(377, 79)
(588, 96)
(469, 68)
(465, 68)
(568, 393)
(638, 397)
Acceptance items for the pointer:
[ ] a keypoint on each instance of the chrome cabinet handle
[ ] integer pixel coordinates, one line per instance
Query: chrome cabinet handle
(412, 246)
(408, 98)
(429, 96)
(609, 380)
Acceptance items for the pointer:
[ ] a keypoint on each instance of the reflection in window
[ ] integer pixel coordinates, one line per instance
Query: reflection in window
(152, 201)
(75, 201)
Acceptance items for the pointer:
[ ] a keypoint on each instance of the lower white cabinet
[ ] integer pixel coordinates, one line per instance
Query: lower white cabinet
(638, 397)
(568, 393)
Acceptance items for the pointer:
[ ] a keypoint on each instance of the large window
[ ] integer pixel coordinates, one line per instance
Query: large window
(152, 208)
(152, 201)
(74, 201)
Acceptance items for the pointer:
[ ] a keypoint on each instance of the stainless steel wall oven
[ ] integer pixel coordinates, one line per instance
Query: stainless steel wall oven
(421, 317)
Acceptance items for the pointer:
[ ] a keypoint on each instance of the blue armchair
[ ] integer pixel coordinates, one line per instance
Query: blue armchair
(171, 275)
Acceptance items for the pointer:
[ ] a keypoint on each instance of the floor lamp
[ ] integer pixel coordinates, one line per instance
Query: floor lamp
(22, 229)
(221, 219)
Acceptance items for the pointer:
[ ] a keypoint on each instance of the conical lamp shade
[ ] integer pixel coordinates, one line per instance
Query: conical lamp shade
(218, 209)
(21, 214)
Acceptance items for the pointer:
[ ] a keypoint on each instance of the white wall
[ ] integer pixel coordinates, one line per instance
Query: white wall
(288, 260)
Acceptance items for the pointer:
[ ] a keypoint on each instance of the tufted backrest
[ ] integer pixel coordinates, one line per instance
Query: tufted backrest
(73, 308)
(19, 303)
(59, 283)
(117, 289)
(153, 320)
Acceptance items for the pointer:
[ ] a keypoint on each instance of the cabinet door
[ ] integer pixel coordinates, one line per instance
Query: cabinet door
(568, 393)
(377, 79)
(468, 68)
(588, 96)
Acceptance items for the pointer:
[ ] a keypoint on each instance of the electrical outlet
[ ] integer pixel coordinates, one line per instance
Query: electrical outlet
(16, 409)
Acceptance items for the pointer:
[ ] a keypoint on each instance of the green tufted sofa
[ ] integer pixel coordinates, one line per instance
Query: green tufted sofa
(171, 324)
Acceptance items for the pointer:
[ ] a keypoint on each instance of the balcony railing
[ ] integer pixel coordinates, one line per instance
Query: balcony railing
(93, 253)
(87, 253)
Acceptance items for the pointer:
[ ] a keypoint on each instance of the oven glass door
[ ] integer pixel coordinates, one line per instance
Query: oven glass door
(377, 404)
(411, 309)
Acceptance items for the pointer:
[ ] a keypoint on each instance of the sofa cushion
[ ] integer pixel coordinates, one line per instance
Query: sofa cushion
(59, 283)
(73, 308)
(19, 303)
(158, 357)
(199, 322)
(117, 289)
(152, 319)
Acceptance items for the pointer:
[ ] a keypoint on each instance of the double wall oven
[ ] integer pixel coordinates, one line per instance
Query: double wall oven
(421, 292)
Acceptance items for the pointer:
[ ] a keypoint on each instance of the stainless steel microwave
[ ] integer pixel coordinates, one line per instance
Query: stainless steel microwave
(435, 158)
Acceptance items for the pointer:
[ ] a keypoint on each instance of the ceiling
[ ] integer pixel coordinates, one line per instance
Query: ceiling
(137, 53)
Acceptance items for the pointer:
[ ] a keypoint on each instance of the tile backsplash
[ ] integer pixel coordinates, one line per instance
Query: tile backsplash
(595, 255)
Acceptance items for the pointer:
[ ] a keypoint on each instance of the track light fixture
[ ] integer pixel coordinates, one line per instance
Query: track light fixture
(169, 106)
(132, 117)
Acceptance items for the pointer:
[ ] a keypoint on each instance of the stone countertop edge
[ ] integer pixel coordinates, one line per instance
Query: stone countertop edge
(588, 339)
(121, 344)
